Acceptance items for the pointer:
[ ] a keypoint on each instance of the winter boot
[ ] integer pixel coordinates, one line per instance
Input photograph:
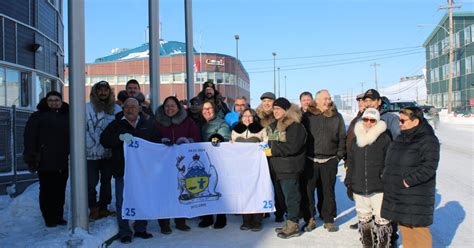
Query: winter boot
(366, 237)
(384, 233)
(280, 229)
(331, 227)
(221, 221)
(105, 213)
(206, 221)
(310, 225)
(291, 230)
(94, 214)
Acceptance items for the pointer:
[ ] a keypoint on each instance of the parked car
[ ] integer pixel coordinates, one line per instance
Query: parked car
(396, 106)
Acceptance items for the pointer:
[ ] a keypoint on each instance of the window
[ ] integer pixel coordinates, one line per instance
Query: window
(436, 50)
(472, 33)
(467, 35)
(457, 68)
(456, 101)
(2, 87)
(25, 90)
(431, 48)
(436, 74)
(457, 40)
(12, 87)
(468, 64)
(445, 45)
(165, 78)
(43, 86)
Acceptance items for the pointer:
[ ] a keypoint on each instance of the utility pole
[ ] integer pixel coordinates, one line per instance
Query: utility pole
(451, 53)
(237, 64)
(362, 86)
(278, 81)
(274, 73)
(375, 70)
(285, 87)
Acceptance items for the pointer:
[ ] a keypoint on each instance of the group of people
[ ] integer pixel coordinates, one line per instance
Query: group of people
(390, 161)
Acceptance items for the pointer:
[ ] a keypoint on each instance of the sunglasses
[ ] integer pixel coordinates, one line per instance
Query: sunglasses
(369, 120)
(402, 121)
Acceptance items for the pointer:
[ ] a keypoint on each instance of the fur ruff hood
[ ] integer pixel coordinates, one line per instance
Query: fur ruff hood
(293, 114)
(265, 118)
(167, 121)
(364, 137)
(107, 107)
(330, 112)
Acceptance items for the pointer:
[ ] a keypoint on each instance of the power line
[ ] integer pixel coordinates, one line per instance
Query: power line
(337, 64)
(330, 55)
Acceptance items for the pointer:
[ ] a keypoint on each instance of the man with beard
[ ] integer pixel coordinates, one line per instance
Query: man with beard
(100, 111)
(210, 93)
(133, 90)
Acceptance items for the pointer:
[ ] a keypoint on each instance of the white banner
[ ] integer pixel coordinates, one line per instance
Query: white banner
(195, 179)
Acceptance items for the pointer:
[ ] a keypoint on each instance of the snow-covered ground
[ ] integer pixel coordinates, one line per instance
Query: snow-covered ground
(22, 225)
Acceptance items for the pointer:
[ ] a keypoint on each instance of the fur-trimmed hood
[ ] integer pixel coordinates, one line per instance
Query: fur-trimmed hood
(330, 112)
(368, 137)
(166, 121)
(108, 106)
(293, 114)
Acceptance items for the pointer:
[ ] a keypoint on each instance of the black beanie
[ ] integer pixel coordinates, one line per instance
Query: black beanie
(54, 93)
(282, 103)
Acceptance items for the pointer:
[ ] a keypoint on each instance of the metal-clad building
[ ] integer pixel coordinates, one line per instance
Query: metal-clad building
(437, 62)
(226, 71)
(31, 64)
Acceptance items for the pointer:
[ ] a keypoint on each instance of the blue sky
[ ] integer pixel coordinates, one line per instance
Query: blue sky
(319, 44)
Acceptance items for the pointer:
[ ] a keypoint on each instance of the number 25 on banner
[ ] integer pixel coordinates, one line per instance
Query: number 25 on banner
(267, 204)
(133, 144)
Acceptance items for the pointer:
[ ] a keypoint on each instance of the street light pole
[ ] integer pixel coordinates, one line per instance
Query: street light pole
(274, 73)
(278, 81)
(285, 87)
(237, 64)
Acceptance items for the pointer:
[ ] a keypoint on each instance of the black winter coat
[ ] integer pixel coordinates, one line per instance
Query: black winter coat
(413, 157)
(286, 139)
(46, 138)
(326, 133)
(366, 163)
(110, 139)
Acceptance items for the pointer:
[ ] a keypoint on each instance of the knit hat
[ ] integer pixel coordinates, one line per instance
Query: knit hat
(54, 93)
(371, 113)
(209, 83)
(282, 103)
(372, 94)
(268, 95)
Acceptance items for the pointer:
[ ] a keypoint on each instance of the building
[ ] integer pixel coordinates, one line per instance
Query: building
(437, 62)
(31, 51)
(31, 64)
(126, 64)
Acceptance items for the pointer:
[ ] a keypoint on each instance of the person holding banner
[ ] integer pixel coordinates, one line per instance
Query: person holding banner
(248, 129)
(175, 127)
(215, 130)
(115, 134)
(286, 141)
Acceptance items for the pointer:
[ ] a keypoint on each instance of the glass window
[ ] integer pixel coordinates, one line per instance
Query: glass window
(468, 63)
(43, 86)
(472, 33)
(445, 45)
(467, 35)
(2, 87)
(25, 90)
(165, 78)
(457, 40)
(435, 50)
(12, 87)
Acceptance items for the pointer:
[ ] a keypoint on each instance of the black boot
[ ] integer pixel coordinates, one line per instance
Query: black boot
(384, 233)
(206, 221)
(221, 221)
(366, 237)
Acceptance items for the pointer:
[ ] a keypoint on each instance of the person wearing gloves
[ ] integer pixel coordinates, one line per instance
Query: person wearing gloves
(115, 134)
(248, 129)
(215, 130)
(409, 178)
(286, 152)
(240, 105)
(367, 160)
(175, 127)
